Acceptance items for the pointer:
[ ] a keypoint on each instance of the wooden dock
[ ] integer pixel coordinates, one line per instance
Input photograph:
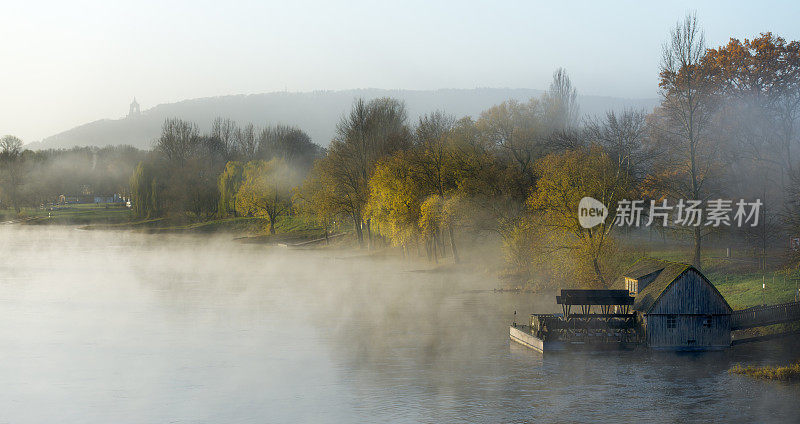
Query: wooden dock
(763, 338)
(525, 338)
(612, 328)
(758, 316)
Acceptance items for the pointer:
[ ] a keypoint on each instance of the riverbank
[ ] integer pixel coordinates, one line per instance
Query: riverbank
(74, 214)
(741, 279)
(785, 373)
(291, 229)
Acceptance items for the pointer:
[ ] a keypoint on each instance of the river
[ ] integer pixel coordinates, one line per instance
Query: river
(123, 327)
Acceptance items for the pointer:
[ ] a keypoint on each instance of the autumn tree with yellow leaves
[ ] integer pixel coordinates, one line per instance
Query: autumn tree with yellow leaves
(266, 190)
(586, 255)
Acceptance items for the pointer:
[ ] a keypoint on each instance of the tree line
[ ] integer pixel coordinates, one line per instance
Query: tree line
(203, 174)
(726, 127)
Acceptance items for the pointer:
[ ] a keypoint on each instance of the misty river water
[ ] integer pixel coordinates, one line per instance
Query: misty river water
(101, 327)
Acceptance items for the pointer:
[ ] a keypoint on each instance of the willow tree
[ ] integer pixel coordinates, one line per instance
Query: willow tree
(266, 190)
(146, 192)
(566, 178)
(369, 132)
(434, 167)
(394, 200)
(229, 182)
(317, 201)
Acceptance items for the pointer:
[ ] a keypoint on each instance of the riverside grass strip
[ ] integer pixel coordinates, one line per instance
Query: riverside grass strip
(785, 373)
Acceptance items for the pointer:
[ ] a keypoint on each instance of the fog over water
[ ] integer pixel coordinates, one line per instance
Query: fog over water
(125, 327)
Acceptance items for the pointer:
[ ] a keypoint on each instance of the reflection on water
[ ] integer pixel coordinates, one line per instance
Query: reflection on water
(123, 327)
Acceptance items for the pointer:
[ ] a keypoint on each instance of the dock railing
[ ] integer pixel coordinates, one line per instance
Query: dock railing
(758, 316)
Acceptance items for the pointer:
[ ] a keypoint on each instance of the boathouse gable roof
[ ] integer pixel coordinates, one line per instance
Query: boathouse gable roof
(648, 297)
(644, 271)
(655, 276)
(644, 267)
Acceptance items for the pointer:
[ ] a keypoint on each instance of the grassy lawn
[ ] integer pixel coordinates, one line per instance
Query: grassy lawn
(289, 228)
(94, 216)
(71, 214)
(742, 290)
(251, 225)
(739, 278)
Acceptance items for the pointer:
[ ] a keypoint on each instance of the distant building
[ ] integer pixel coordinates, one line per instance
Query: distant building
(90, 198)
(677, 307)
(66, 199)
(104, 199)
(134, 109)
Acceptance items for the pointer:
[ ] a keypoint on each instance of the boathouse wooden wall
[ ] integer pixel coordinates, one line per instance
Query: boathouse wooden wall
(702, 318)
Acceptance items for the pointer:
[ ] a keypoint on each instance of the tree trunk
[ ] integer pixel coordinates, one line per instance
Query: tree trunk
(697, 240)
(369, 234)
(14, 196)
(453, 243)
(598, 272)
(271, 225)
(359, 233)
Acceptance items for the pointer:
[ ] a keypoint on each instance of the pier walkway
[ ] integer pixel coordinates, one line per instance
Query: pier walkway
(758, 316)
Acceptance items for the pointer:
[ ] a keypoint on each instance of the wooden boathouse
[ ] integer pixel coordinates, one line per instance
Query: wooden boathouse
(665, 305)
(677, 308)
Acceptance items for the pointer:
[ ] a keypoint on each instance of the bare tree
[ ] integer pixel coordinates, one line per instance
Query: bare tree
(179, 140)
(12, 168)
(288, 143)
(246, 142)
(517, 131)
(623, 136)
(369, 132)
(224, 130)
(687, 107)
(433, 163)
(561, 102)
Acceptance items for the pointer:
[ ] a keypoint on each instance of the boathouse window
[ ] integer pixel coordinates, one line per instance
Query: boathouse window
(671, 321)
(707, 321)
(632, 285)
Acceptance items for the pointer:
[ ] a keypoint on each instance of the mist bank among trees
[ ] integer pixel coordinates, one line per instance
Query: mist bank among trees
(317, 113)
(725, 128)
(34, 178)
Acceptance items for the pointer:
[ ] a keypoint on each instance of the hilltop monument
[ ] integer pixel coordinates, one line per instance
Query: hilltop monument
(134, 110)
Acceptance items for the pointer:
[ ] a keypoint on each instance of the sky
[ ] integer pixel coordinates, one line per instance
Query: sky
(63, 64)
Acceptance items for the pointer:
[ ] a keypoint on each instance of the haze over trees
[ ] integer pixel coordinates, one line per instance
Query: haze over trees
(725, 128)
(316, 113)
(203, 174)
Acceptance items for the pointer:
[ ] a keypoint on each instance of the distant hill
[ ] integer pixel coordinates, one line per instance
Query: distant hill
(317, 113)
